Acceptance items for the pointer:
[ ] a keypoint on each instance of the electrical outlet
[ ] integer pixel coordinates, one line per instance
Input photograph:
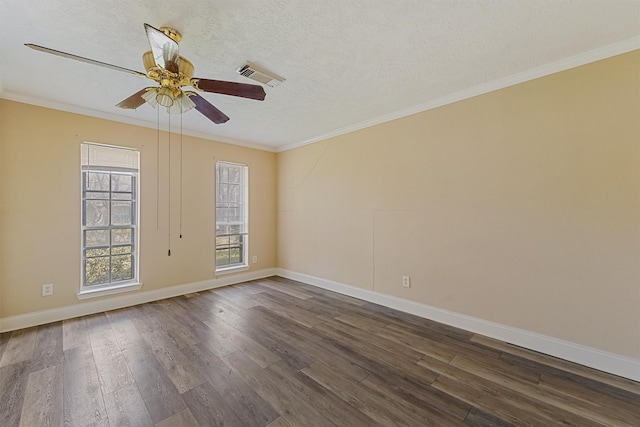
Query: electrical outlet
(406, 281)
(47, 290)
(254, 259)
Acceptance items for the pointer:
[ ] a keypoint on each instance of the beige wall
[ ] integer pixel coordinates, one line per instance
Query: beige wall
(521, 206)
(40, 204)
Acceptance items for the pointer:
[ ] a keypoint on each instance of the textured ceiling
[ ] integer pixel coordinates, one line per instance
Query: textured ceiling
(347, 63)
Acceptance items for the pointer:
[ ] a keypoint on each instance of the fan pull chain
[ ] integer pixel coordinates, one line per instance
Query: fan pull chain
(181, 175)
(169, 192)
(158, 172)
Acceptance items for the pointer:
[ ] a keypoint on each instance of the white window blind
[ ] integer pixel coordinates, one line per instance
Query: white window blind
(105, 156)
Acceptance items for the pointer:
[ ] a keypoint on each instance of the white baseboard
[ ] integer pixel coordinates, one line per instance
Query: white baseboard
(594, 358)
(12, 323)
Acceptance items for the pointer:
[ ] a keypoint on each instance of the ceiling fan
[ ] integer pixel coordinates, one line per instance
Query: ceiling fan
(172, 72)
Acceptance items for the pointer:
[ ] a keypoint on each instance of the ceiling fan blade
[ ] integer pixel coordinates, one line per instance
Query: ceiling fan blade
(82, 59)
(243, 90)
(134, 101)
(208, 110)
(165, 49)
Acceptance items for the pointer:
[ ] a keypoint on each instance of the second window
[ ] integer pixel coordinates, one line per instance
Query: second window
(231, 215)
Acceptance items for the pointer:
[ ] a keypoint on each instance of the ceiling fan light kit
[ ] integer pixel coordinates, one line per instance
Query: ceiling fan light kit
(181, 104)
(165, 66)
(165, 96)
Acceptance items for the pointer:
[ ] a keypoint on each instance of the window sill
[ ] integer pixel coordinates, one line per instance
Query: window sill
(229, 270)
(116, 289)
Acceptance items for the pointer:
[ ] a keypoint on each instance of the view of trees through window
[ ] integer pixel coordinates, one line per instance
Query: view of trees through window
(108, 226)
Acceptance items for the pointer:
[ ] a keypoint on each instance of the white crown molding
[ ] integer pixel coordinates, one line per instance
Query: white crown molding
(27, 320)
(598, 54)
(594, 358)
(541, 71)
(10, 96)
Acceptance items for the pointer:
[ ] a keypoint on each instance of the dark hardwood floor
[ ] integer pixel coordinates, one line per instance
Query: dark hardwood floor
(280, 353)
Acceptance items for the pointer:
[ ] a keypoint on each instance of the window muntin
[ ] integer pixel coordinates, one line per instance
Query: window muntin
(231, 215)
(109, 216)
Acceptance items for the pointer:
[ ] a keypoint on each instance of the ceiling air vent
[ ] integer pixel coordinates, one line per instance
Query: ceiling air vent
(253, 72)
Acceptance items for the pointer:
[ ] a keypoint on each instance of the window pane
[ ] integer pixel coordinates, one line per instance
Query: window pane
(234, 174)
(98, 181)
(121, 267)
(121, 213)
(234, 256)
(223, 195)
(97, 195)
(121, 236)
(222, 257)
(96, 271)
(235, 214)
(96, 213)
(234, 193)
(121, 196)
(221, 214)
(121, 250)
(96, 238)
(224, 229)
(121, 182)
(90, 253)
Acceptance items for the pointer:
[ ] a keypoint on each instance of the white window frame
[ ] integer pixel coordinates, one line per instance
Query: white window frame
(111, 197)
(231, 214)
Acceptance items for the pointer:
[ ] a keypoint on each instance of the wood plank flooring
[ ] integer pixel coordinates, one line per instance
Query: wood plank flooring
(279, 353)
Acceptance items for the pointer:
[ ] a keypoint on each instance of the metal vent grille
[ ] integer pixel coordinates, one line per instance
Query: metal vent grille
(253, 72)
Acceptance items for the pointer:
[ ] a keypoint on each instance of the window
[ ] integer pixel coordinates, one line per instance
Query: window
(109, 217)
(231, 215)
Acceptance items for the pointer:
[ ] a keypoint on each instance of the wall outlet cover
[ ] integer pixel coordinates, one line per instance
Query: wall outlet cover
(406, 281)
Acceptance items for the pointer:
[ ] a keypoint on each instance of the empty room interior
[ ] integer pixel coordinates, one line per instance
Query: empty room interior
(284, 214)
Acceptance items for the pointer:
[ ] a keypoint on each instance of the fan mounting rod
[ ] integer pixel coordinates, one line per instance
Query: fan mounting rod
(171, 33)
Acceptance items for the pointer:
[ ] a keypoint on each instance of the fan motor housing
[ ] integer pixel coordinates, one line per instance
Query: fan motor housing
(153, 71)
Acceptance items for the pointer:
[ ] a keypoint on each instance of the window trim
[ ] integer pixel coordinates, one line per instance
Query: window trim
(245, 234)
(90, 291)
(114, 289)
